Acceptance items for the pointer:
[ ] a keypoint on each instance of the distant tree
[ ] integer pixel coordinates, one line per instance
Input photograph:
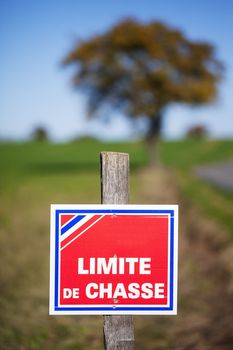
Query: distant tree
(40, 134)
(197, 132)
(142, 68)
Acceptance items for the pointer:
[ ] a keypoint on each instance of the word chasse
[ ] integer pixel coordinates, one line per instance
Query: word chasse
(116, 266)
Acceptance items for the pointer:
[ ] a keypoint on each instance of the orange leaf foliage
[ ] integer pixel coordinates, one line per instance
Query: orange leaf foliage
(140, 68)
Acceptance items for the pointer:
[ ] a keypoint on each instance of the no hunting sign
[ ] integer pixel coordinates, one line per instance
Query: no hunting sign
(113, 259)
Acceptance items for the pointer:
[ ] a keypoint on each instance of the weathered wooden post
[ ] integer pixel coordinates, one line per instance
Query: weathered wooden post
(118, 329)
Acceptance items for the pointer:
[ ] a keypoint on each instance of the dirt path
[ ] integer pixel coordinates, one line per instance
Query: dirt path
(220, 174)
(205, 314)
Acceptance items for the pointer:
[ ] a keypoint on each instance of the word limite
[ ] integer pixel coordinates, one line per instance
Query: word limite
(114, 266)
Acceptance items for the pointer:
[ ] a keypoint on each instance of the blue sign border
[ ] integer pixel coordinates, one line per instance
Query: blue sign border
(115, 307)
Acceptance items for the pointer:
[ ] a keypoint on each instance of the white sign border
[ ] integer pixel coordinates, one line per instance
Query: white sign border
(114, 309)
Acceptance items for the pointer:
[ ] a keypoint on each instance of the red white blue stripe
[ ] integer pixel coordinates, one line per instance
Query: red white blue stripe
(75, 227)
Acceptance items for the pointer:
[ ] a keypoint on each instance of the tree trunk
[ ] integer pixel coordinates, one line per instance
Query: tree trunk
(152, 140)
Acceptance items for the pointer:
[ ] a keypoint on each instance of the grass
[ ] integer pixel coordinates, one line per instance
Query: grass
(185, 156)
(71, 170)
(66, 166)
(34, 175)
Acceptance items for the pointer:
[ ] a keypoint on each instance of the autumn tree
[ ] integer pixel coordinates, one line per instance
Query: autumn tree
(142, 68)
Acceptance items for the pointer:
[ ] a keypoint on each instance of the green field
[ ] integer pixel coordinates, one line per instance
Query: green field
(71, 171)
(34, 175)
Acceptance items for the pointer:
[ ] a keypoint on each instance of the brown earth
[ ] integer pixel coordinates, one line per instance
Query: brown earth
(205, 303)
(205, 315)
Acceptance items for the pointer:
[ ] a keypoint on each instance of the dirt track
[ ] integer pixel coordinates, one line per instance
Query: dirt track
(205, 313)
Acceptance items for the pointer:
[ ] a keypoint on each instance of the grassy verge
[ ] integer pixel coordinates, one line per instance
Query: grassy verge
(184, 156)
(72, 170)
(34, 175)
(214, 202)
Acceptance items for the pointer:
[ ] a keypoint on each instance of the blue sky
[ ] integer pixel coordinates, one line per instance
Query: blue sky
(36, 91)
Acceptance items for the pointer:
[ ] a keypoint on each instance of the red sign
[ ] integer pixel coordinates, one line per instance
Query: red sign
(109, 259)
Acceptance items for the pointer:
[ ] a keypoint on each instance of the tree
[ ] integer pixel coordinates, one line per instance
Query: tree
(197, 132)
(142, 68)
(40, 134)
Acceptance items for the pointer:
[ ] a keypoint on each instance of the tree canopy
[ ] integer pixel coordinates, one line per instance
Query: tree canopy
(140, 68)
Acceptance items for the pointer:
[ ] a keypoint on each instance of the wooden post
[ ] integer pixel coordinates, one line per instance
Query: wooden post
(118, 329)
